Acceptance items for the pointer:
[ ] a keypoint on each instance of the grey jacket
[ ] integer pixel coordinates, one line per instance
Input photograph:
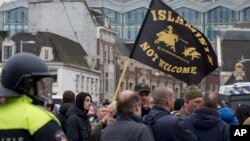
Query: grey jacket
(126, 128)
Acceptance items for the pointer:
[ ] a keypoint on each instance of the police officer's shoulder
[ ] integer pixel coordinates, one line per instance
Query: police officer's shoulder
(36, 116)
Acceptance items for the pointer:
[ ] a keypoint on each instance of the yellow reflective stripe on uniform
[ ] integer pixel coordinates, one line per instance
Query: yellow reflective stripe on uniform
(19, 113)
(52, 116)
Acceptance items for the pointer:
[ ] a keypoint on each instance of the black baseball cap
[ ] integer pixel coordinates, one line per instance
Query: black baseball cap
(142, 88)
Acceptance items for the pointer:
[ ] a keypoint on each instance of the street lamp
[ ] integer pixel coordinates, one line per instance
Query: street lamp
(25, 42)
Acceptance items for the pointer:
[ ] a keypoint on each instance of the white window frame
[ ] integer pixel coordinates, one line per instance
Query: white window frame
(46, 54)
(8, 43)
(7, 52)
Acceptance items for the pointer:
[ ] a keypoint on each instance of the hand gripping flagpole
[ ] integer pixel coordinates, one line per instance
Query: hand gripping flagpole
(120, 79)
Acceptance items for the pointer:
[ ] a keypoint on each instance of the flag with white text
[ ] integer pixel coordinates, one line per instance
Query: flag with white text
(170, 44)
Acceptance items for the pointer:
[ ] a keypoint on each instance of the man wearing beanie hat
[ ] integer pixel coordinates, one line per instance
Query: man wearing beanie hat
(78, 127)
(193, 100)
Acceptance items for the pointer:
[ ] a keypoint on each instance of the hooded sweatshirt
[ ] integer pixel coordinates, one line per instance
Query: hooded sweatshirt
(77, 125)
(208, 126)
(228, 116)
(80, 100)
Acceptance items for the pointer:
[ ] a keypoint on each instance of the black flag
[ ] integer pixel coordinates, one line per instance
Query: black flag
(168, 43)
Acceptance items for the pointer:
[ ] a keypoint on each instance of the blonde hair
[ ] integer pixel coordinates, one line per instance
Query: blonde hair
(247, 121)
(112, 107)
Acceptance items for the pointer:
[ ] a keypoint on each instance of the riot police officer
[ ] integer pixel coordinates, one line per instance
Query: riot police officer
(26, 83)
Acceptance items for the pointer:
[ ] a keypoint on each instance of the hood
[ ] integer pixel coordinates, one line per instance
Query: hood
(205, 118)
(64, 108)
(228, 116)
(80, 100)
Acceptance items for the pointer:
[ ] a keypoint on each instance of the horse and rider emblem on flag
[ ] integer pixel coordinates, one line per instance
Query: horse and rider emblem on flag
(170, 39)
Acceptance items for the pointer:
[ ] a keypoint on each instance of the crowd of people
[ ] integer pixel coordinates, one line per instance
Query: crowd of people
(138, 115)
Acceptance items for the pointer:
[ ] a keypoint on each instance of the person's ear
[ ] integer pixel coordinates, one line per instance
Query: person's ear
(167, 103)
(137, 107)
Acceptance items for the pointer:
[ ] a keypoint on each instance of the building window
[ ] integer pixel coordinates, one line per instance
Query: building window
(131, 67)
(246, 14)
(101, 49)
(111, 54)
(83, 83)
(131, 86)
(129, 33)
(122, 65)
(77, 83)
(22, 16)
(177, 93)
(101, 53)
(87, 85)
(106, 54)
(153, 87)
(8, 49)
(129, 15)
(92, 85)
(46, 55)
(107, 81)
(211, 87)
(121, 87)
(7, 52)
(96, 86)
(107, 85)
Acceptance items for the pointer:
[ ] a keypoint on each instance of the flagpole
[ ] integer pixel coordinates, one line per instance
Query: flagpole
(120, 79)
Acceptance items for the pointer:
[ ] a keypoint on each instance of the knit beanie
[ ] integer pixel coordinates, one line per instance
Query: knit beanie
(193, 92)
(80, 100)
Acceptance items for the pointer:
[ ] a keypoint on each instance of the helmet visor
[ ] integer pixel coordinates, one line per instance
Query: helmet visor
(43, 88)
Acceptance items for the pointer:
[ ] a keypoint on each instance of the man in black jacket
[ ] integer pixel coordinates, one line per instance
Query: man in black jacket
(77, 125)
(167, 127)
(206, 120)
(67, 101)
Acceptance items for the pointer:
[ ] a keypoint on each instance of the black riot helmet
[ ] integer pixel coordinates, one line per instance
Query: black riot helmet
(25, 73)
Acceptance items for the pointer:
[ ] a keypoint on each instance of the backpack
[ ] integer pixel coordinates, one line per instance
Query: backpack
(149, 120)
